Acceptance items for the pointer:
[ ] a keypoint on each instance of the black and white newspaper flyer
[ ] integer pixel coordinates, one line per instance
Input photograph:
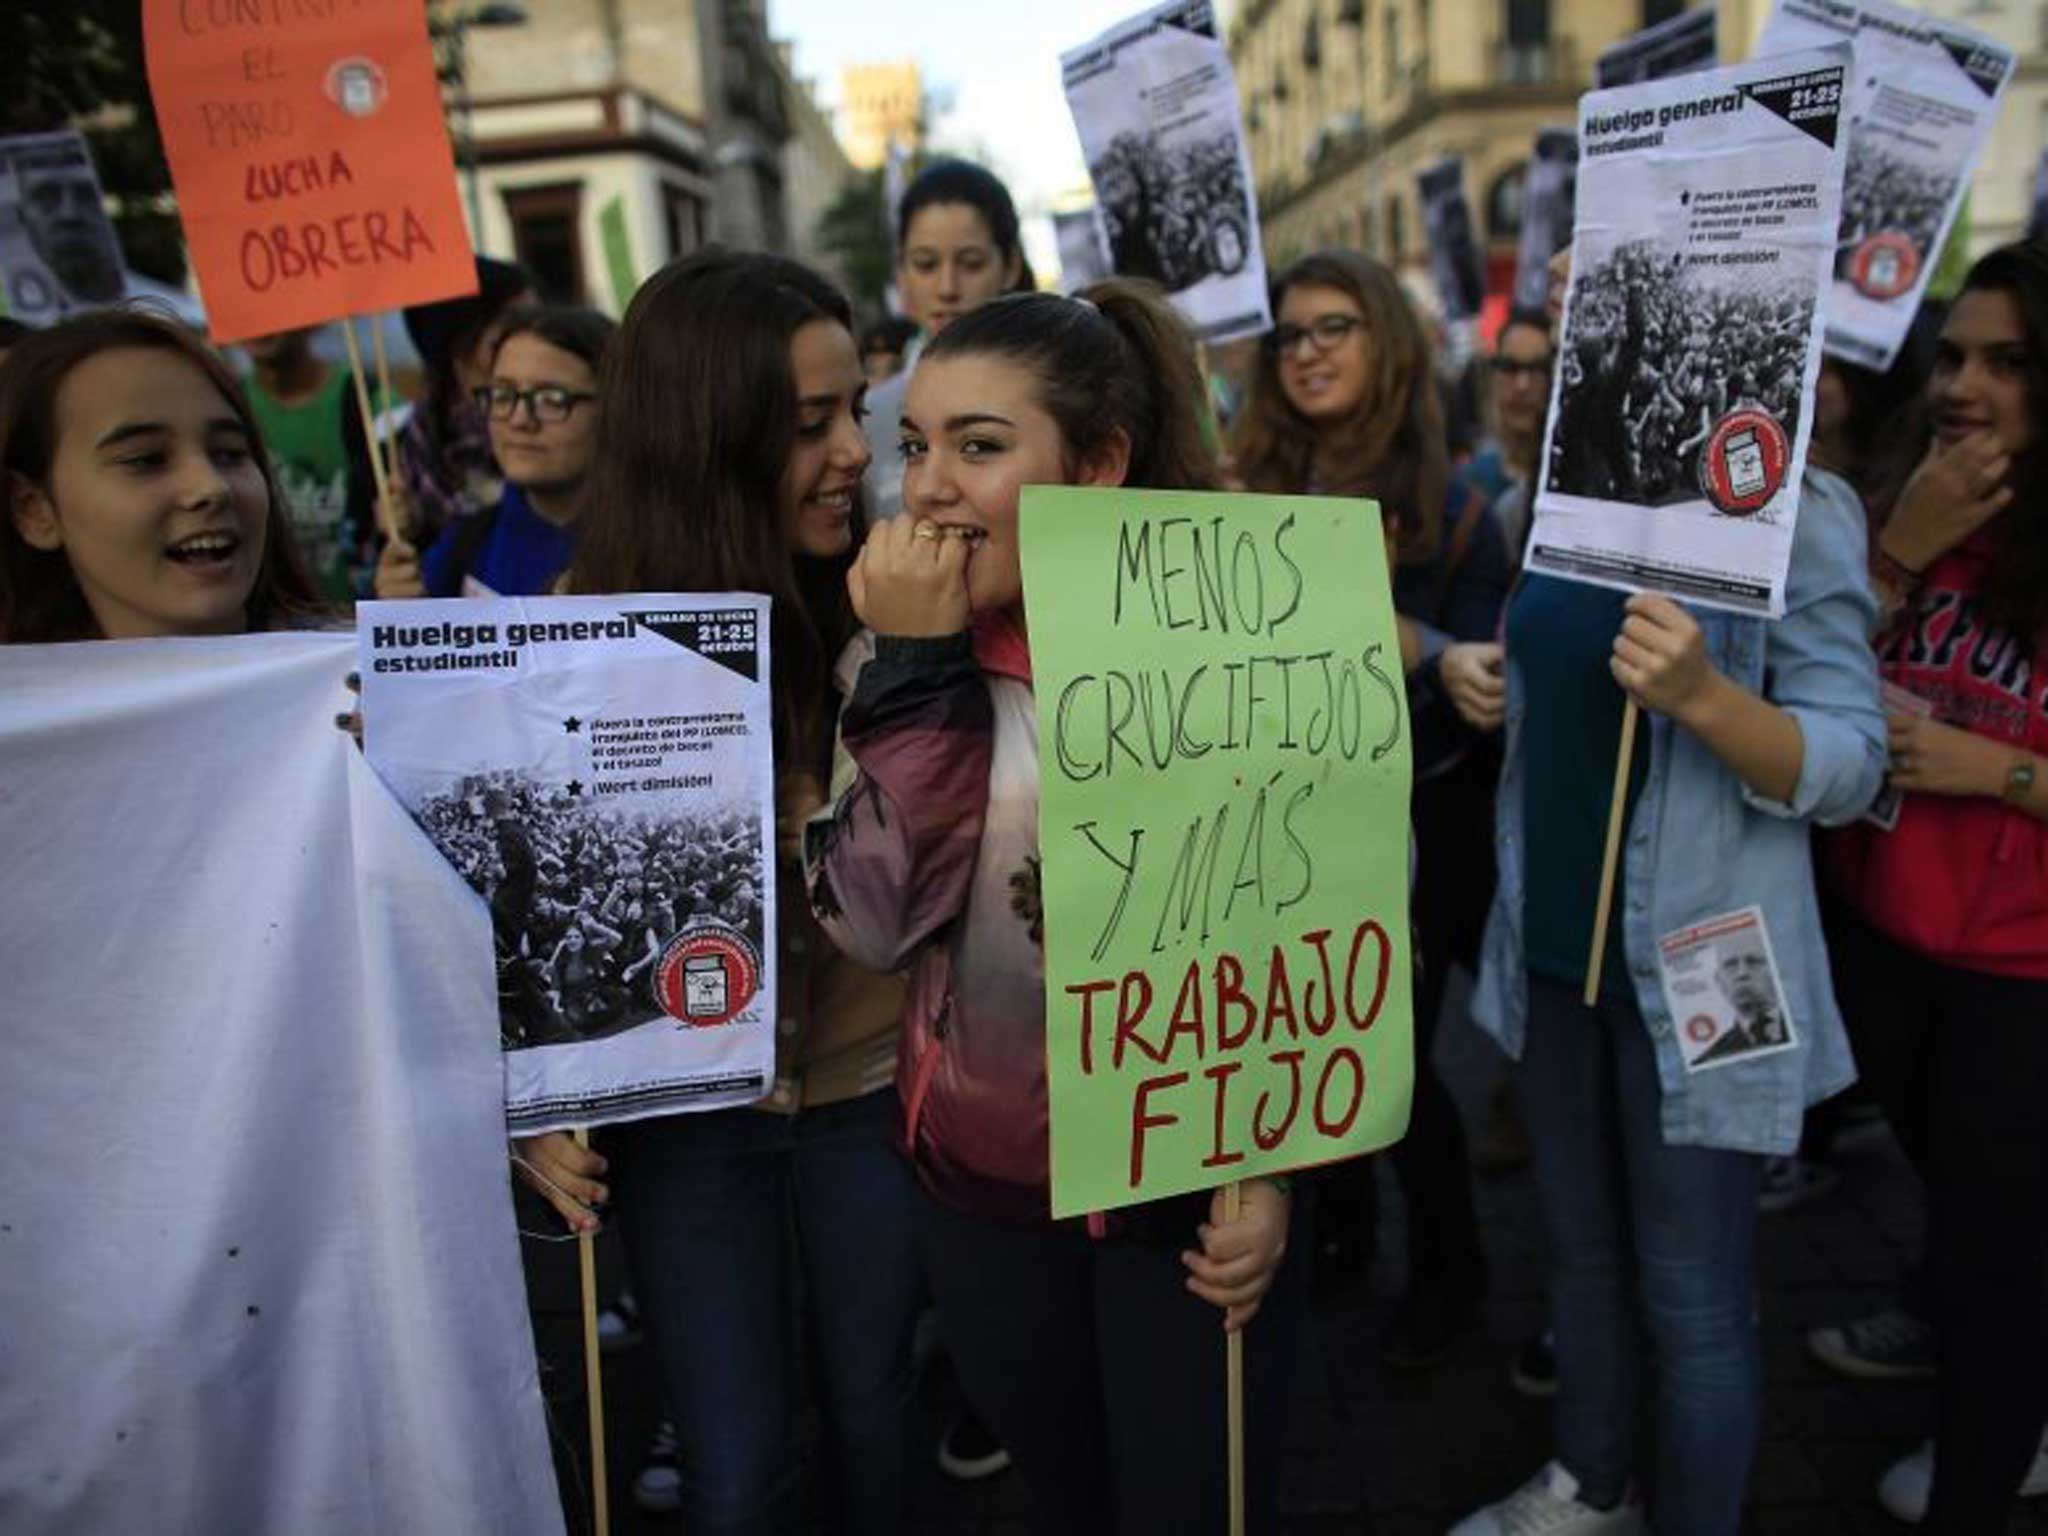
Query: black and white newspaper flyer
(1682, 45)
(1692, 331)
(1155, 105)
(58, 251)
(1549, 194)
(1922, 99)
(599, 770)
(1455, 264)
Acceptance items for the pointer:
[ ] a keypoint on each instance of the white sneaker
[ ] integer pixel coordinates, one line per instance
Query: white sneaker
(1548, 1505)
(1908, 1482)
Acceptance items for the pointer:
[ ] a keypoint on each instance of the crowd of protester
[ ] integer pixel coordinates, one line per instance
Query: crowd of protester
(714, 441)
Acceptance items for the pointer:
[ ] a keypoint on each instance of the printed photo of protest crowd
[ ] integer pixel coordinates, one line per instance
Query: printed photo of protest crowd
(1176, 216)
(1884, 193)
(585, 897)
(1654, 356)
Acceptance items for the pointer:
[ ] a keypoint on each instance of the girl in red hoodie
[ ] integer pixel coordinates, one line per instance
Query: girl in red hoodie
(1942, 958)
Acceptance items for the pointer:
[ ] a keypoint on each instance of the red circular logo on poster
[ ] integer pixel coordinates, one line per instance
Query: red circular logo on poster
(1884, 266)
(708, 973)
(357, 86)
(1743, 463)
(1700, 1028)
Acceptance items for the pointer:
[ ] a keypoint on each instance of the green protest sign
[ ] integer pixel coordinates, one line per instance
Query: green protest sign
(1224, 769)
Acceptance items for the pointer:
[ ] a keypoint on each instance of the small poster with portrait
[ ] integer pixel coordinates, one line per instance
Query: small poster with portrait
(58, 250)
(598, 769)
(1722, 986)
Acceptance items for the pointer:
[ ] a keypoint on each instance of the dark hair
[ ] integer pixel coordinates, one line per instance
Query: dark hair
(442, 331)
(1886, 410)
(890, 335)
(699, 421)
(1394, 449)
(13, 330)
(2015, 596)
(570, 328)
(961, 181)
(39, 594)
(1114, 357)
(40, 598)
(1531, 319)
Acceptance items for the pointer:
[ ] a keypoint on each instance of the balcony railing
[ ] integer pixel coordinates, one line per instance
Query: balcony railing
(1554, 62)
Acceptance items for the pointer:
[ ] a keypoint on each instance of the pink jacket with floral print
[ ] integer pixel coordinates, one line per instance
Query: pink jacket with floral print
(928, 859)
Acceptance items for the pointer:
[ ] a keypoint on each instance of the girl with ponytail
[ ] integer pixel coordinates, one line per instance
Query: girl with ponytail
(1089, 1348)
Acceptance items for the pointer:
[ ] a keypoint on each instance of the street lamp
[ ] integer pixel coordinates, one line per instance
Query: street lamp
(451, 28)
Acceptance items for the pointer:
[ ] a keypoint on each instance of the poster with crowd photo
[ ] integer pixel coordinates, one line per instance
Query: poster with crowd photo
(1455, 263)
(599, 770)
(1922, 97)
(1155, 105)
(1550, 191)
(1084, 252)
(1680, 45)
(1692, 331)
(58, 250)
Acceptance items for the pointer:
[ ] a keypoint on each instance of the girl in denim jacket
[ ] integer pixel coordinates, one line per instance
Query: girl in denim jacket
(1648, 1152)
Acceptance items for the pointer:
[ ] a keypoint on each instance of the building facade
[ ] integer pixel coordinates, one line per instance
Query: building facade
(882, 106)
(816, 169)
(598, 139)
(1345, 101)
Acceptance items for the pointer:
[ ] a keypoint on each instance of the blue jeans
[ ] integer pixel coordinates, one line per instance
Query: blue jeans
(729, 1218)
(1643, 1236)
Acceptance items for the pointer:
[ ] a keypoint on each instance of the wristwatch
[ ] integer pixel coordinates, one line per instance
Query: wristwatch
(2019, 781)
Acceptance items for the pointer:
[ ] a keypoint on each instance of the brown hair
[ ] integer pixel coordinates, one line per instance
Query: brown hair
(40, 599)
(1116, 357)
(1394, 449)
(699, 421)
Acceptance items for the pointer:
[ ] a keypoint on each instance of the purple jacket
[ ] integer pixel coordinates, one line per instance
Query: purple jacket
(928, 859)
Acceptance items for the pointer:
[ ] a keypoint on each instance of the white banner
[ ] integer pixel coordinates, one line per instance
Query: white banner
(1921, 103)
(1155, 104)
(1678, 420)
(258, 1270)
(599, 770)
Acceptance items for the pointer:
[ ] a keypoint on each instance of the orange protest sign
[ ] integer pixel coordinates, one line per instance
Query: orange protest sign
(311, 163)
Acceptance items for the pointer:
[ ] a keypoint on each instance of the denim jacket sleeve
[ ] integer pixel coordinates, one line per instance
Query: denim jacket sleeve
(1818, 664)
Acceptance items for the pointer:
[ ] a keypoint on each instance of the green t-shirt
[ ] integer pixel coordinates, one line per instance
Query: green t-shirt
(312, 470)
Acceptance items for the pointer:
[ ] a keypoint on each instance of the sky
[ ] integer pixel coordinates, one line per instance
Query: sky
(995, 68)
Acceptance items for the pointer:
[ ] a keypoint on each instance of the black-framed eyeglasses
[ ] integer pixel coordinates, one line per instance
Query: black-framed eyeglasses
(1323, 333)
(547, 402)
(1515, 367)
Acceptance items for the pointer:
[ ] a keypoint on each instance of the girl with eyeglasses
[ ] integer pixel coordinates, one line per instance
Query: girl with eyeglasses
(1345, 403)
(540, 403)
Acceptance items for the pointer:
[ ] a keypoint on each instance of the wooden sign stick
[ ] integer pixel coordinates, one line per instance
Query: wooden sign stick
(593, 1376)
(1233, 1369)
(1616, 814)
(377, 350)
(355, 366)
